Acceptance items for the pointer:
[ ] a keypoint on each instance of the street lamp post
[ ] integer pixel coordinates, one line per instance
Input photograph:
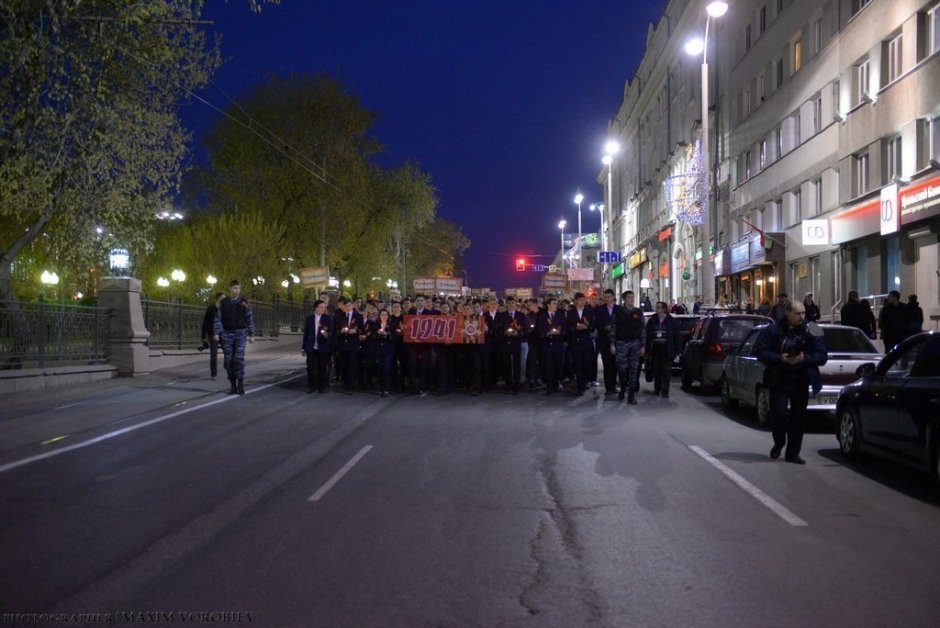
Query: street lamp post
(577, 200)
(561, 225)
(696, 47)
(611, 148)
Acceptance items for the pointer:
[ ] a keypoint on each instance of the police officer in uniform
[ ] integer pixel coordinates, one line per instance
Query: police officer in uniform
(235, 325)
(628, 336)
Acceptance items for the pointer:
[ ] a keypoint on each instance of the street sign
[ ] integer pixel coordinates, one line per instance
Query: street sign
(608, 257)
(315, 277)
(539, 268)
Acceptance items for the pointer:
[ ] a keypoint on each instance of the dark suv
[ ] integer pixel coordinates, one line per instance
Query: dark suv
(713, 338)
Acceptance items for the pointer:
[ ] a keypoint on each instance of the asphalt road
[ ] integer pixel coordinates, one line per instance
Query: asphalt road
(179, 504)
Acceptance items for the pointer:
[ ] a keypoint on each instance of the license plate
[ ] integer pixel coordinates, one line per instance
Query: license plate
(826, 401)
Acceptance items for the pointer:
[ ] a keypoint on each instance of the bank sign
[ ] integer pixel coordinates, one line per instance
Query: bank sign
(815, 232)
(890, 212)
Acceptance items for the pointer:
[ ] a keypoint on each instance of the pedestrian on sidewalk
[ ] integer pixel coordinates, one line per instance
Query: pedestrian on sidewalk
(662, 346)
(792, 352)
(235, 326)
(209, 339)
(628, 344)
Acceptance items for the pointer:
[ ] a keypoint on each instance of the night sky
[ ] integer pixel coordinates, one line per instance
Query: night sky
(504, 104)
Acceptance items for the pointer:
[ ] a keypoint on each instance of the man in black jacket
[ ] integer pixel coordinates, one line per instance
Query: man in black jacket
(662, 345)
(893, 320)
(235, 326)
(209, 340)
(792, 352)
(851, 312)
(628, 344)
(604, 317)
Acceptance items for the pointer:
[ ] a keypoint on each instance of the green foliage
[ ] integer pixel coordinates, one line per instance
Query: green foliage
(90, 134)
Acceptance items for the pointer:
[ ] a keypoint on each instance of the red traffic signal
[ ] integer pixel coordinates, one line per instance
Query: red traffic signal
(520, 263)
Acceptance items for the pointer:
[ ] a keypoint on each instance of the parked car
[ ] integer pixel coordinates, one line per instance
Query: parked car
(893, 410)
(686, 325)
(714, 337)
(848, 349)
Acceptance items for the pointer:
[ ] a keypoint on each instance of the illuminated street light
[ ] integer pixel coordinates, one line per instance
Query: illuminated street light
(577, 199)
(347, 283)
(163, 282)
(561, 225)
(49, 279)
(211, 280)
(696, 47)
(178, 275)
(285, 284)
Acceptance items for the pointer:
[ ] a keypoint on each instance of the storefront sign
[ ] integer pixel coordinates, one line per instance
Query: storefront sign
(815, 232)
(638, 258)
(920, 201)
(665, 234)
(555, 281)
(890, 212)
(617, 271)
(856, 222)
(580, 274)
(719, 263)
(740, 257)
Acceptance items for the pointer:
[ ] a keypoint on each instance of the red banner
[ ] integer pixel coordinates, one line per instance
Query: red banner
(443, 329)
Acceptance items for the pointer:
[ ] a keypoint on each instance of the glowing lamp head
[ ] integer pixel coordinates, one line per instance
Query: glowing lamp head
(717, 9)
(695, 46)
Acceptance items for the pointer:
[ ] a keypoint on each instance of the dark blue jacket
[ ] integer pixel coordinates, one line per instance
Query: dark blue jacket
(581, 339)
(769, 350)
(546, 323)
(348, 342)
(323, 335)
(667, 331)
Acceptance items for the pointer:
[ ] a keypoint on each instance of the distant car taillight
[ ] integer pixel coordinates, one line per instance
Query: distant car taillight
(716, 350)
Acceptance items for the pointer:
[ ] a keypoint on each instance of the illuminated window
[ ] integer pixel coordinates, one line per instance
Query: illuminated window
(798, 53)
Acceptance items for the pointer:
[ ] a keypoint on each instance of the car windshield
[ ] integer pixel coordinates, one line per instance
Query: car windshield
(847, 340)
(735, 329)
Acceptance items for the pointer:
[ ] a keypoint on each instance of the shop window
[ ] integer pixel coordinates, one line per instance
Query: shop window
(892, 257)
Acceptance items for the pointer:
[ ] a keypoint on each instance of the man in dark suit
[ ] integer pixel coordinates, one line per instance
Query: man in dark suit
(347, 327)
(318, 330)
(511, 327)
(421, 364)
(581, 324)
(662, 345)
(553, 329)
(604, 317)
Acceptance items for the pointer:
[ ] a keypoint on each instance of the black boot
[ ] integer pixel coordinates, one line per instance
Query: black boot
(241, 387)
(234, 389)
(631, 398)
(620, 396)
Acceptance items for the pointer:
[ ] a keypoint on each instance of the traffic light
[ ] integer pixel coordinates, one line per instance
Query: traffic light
(520, 263)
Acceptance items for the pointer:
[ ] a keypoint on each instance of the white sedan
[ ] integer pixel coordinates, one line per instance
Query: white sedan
(743, 373)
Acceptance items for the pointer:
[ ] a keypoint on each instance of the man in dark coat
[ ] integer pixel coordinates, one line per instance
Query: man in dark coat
(209, 340)
(893, 320)
(553, 328)
(604, 317)
(581, 325)
(662, 346)
(791, 352)
(851, 312)
(511, 328)
(347, 326)
(318, 332)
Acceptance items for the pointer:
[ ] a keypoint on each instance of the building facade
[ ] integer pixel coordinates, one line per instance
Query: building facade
(825, 164)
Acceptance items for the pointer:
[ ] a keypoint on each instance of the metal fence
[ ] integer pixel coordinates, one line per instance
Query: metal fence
(36, 335)
(174, 325)
(41, 334)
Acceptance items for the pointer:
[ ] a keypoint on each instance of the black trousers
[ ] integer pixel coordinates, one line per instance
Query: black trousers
(609, 361)
(512, 366)
(318, 367)
(554, 365)
(582, 358)
(350, 359)
(662, 368)
(788, 425)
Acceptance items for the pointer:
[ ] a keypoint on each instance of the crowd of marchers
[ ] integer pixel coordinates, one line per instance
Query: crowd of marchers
(505, 345)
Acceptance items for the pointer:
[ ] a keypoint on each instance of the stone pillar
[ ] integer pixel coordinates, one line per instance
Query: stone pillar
(120, 296)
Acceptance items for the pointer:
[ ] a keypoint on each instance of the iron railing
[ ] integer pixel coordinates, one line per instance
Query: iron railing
(36, 335)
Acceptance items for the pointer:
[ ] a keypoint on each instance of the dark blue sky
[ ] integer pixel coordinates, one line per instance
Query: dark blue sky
(504, 104)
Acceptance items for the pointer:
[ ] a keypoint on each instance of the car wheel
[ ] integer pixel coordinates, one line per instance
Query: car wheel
(763, 406)
(728, 402)
(849, 432)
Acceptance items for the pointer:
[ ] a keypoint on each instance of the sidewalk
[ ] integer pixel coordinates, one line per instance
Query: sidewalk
(57, 381)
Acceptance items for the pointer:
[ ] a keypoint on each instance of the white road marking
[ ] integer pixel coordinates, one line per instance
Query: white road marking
(749, 488)
(339, 474)
(55, 452)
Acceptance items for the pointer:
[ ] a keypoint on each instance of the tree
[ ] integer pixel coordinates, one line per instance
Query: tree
(90, 134)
